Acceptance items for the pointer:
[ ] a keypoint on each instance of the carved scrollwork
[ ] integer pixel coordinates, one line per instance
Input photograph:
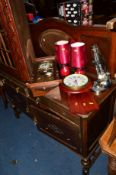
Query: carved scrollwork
(8, 23)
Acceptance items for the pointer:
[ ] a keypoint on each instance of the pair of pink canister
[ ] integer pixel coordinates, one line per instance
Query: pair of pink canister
(70, 56)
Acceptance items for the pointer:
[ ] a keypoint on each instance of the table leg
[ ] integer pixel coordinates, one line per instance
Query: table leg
(86, 166)
(4, 98)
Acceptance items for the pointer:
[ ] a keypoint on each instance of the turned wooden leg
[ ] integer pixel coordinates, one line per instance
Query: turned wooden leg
(4, 98)
(16, 111)
(111, 165)
(86, 166)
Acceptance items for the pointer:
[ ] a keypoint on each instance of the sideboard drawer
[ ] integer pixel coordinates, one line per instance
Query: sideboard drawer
(61, 129)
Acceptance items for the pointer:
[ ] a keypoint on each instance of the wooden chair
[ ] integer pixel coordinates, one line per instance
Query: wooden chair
(108, 146)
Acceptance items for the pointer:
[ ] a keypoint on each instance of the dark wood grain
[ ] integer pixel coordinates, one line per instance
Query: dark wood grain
(50, 111)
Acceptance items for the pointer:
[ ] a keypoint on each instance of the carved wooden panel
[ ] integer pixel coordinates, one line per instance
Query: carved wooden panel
(5, 53)
(13, 61)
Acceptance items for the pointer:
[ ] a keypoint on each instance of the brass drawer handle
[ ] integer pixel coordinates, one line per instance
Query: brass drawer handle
(17, 90)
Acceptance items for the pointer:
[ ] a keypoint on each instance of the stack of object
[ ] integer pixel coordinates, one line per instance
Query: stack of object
(76, 12)
(71, 58)
(75, 87)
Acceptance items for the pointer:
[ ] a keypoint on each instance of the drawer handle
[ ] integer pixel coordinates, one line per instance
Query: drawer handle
(68, 139)
(55, 129)
(17, 90)
(35, 121)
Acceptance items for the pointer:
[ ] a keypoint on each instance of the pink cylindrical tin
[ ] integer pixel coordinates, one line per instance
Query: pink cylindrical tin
(62, 50)
(78, 55)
